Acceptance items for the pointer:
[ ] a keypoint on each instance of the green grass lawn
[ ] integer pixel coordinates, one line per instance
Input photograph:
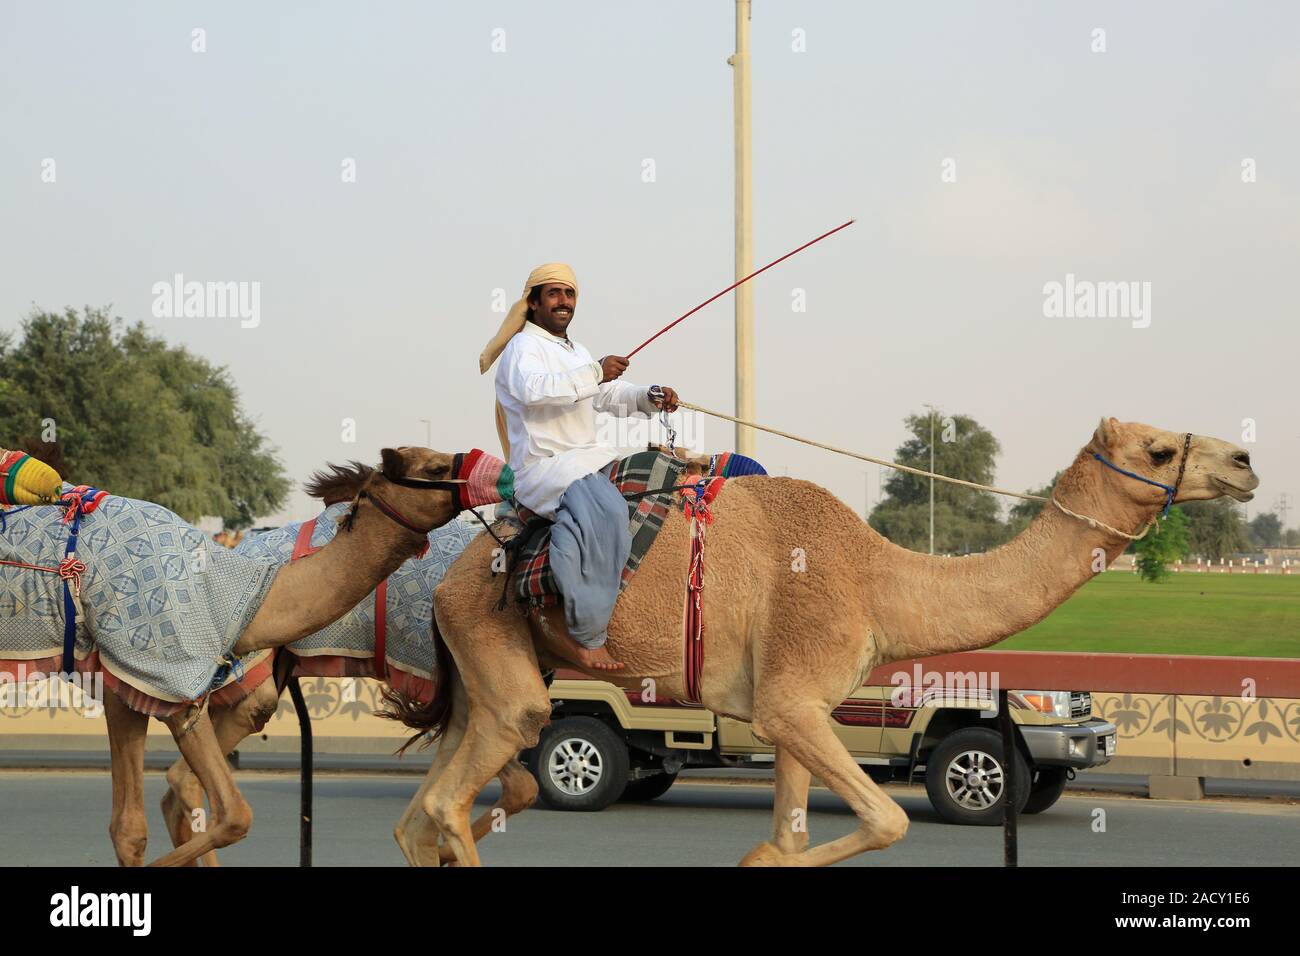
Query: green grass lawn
(1238, 615)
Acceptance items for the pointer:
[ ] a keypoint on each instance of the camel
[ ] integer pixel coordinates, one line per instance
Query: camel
(395, 507)
(783, 646)
(234, 722)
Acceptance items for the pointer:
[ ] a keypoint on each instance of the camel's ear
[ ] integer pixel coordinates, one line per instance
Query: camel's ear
(1106, 434)
(394, 465)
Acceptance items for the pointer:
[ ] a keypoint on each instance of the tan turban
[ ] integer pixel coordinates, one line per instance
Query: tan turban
(514, 324)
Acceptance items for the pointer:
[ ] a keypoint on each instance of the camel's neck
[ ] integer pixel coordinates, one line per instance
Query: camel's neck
(932, 605)
(317, 590)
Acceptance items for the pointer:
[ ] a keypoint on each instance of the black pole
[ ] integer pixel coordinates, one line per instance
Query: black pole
(1010, 854)
(304, 769)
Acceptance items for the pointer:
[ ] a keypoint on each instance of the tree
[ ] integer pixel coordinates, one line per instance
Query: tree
(136, 417)
(1167, 541)
(1024, 511)
(965, 520)
(1265, 530)
(1215, 528)
(1291, 537)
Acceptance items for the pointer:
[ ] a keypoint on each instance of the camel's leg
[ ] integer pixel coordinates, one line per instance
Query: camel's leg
(518, 793)
(511, 707)
(491, 741)
(415, 832)
(129, 828)
(232, 725)
(790, 803)
(183, 797)
(233, 816)
(804, 728)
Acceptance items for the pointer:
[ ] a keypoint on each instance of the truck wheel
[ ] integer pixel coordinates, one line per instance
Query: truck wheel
(580, 764)
(1047, 789)
(964, 777)
(648, 788)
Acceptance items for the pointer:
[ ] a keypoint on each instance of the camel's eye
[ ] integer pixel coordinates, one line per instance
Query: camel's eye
(1162, 456)
(436, 471)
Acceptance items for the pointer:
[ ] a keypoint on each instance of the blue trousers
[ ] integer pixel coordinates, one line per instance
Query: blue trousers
(590, 543)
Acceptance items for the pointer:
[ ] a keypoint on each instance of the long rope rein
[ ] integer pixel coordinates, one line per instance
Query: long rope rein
(854, 454)
(1170, 490)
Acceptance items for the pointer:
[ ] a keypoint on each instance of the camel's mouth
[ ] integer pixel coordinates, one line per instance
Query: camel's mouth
(1228, 488)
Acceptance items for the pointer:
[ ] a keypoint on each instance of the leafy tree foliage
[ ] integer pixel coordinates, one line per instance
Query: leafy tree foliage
(135, 416)
(1216, 528)
(1168, 541)
(965, 520)
(1265, 530)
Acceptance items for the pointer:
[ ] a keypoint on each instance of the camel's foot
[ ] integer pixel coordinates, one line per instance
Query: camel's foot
(130, 838)
(765, 854)
(226, 832)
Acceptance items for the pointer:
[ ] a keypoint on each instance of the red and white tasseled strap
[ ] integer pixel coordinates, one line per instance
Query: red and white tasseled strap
(697, 509)
(695, 613)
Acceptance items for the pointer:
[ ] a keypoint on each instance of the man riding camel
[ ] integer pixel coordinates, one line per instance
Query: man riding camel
(549, 390)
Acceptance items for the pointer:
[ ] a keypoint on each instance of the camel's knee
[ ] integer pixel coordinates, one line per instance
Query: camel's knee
(235, 822)
(181, 780)
(265, 703)
(447, 815)
(518, 792)
(892, 826)
(532, 717)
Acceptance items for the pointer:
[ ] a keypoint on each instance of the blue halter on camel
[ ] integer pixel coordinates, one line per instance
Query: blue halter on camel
(1169, 490)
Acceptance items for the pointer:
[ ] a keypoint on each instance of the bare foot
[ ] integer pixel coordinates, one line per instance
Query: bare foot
(565, 647)
(598, 659)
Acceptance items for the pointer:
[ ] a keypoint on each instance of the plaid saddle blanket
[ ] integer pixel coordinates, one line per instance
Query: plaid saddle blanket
(532, 581)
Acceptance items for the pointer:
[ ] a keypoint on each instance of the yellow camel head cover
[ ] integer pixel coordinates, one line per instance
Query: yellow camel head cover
(26, 481)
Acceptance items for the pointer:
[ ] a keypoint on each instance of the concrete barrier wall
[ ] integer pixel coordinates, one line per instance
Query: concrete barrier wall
(1187, 735)
(1170, 734)
(341, 709)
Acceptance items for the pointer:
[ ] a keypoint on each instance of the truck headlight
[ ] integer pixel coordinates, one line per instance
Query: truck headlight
(1054, 703)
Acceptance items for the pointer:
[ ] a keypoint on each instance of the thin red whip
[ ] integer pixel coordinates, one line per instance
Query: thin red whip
(734, 285)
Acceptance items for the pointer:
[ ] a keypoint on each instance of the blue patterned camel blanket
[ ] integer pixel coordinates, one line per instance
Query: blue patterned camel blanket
(408, 647)
(160, 601)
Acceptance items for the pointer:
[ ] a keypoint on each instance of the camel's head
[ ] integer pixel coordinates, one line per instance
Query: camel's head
(1212, 467)
(418, 487)
(437, 484)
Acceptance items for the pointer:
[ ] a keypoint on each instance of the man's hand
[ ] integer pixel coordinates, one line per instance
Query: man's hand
(612, 366)
(669, 402)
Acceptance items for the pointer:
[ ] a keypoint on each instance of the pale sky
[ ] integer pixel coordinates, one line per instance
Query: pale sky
(473, 166)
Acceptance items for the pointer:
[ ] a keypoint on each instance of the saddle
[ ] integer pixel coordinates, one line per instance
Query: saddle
(649, 480)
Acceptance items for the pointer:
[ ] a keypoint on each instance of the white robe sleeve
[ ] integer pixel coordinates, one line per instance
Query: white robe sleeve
(526, 377)
(622, 399)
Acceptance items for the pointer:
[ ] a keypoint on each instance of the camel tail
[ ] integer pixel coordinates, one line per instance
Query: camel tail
(429, 720)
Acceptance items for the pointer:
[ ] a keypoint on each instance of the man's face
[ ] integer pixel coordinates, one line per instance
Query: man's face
(554, 308)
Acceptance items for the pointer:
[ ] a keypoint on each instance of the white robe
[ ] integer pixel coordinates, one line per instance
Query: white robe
(550, 391)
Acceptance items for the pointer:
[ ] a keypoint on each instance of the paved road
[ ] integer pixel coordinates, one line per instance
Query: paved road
(61, 819)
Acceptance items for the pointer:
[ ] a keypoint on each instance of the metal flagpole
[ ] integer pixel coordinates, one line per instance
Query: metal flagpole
(744, 233)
